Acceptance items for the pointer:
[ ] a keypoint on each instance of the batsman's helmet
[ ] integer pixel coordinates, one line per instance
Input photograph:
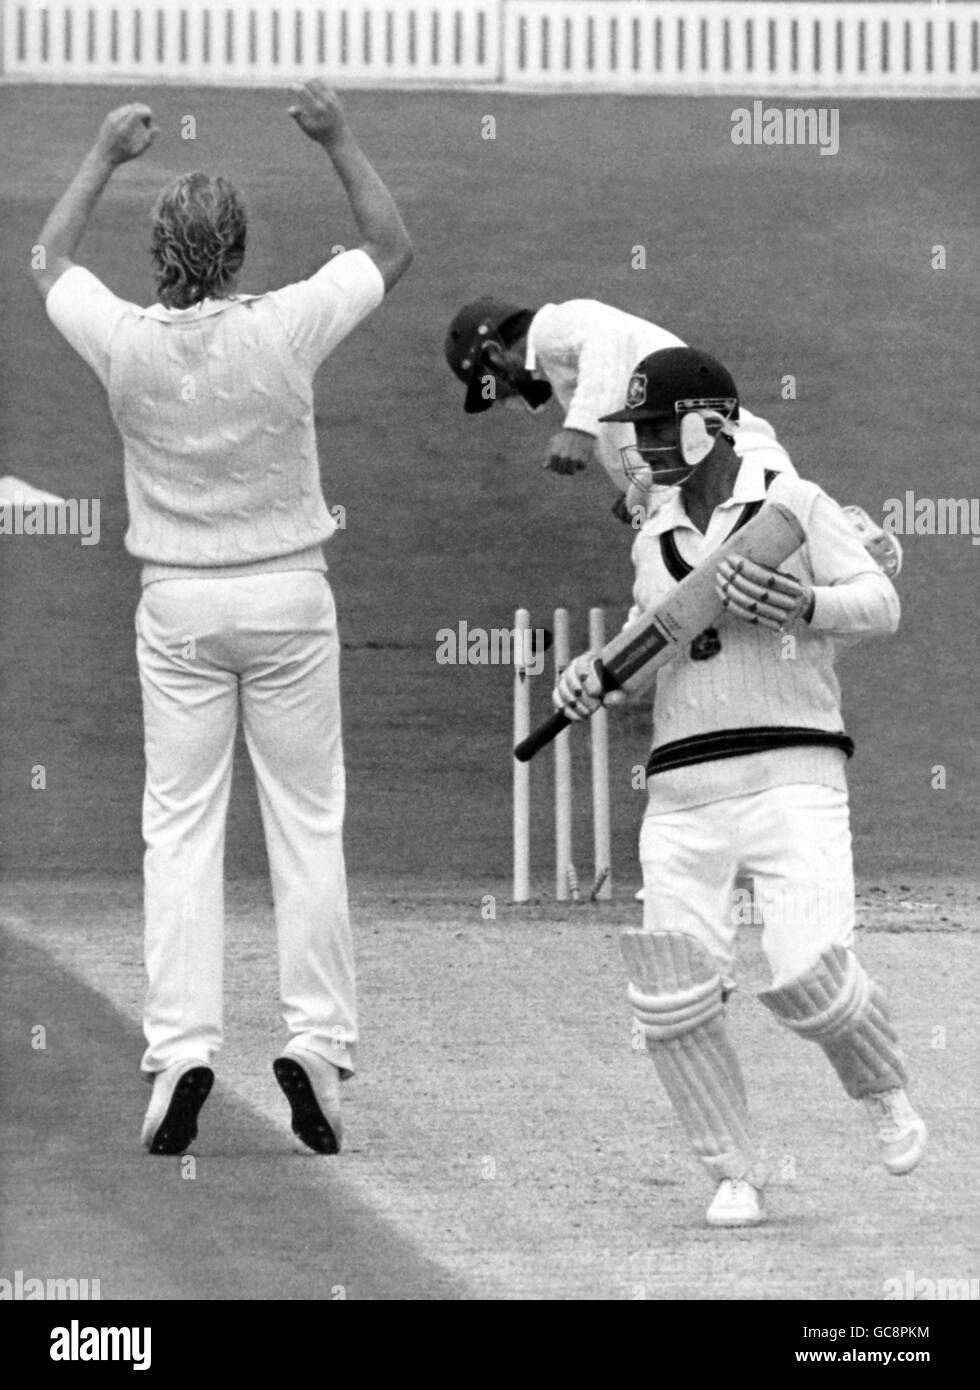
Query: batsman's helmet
(675, 381)
(481, 322)
(688, 388)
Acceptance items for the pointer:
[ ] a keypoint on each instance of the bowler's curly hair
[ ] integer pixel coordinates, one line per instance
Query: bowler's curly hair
(198, 240)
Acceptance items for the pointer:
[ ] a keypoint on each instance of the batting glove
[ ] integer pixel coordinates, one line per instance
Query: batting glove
(578, 693)
(758, 594)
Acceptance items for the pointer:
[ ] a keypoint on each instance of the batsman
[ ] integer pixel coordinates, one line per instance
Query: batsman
(746, 773)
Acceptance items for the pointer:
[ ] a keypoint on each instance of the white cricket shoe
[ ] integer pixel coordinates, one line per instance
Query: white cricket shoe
(640, 895)
(737, 1203)
(901, 1132)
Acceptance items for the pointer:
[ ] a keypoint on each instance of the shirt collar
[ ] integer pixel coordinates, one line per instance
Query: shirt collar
(670, 513)
(205, 309)
(531, 356)
(750, 486)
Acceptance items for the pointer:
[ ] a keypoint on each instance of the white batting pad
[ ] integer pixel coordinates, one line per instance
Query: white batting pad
(836, 1004)
(676, 993)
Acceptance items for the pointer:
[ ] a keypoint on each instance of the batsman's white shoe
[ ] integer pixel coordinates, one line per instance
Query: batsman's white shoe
(312, 1087)
(901, 1132)
(737, 1203)
(179, 1092)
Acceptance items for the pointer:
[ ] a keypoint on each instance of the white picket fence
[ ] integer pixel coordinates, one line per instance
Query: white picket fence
(255, 41)
(893, 47)
(742, 47)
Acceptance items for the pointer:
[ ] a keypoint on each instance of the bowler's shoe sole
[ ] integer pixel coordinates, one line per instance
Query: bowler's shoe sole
(309, 1122)
(178, 1128)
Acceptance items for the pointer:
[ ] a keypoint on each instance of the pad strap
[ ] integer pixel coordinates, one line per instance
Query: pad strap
(836, 1004)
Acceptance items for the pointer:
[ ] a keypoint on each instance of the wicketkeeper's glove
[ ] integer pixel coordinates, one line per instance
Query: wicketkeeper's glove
(757, 594)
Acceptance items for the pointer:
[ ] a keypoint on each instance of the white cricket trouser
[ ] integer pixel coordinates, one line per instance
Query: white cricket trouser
(794, 841)
(269, 642)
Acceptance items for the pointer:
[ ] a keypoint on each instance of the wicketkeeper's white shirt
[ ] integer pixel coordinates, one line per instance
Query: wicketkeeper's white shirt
(588, 351)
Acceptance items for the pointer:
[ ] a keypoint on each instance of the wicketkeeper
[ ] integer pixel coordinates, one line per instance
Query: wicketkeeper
(747, 774)
(578, 355)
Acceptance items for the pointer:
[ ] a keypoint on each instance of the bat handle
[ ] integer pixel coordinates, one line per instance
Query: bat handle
(541, 736)
(550, 729)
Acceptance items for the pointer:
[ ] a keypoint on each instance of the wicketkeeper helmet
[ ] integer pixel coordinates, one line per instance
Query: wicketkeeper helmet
(481, 322)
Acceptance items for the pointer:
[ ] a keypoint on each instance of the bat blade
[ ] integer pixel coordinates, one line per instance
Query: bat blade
(634, 656)
(631, 660)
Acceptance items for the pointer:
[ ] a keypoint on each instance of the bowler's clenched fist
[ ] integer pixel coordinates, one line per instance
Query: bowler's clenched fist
(126, 132)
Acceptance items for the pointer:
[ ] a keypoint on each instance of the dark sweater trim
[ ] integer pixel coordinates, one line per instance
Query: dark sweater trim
(735, 743)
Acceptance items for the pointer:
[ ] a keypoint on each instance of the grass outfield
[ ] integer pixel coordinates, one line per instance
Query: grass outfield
(780, 260)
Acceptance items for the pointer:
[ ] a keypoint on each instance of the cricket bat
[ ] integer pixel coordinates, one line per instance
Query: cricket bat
(630, 661)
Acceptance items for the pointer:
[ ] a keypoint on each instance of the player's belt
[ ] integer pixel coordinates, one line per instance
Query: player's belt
(735, 743)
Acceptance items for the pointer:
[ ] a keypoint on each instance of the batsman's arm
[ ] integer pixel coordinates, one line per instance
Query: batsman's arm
(852, 597)
(318, 113)
(125, 134)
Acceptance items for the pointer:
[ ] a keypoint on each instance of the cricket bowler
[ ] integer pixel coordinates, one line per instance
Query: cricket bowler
(212, 393)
